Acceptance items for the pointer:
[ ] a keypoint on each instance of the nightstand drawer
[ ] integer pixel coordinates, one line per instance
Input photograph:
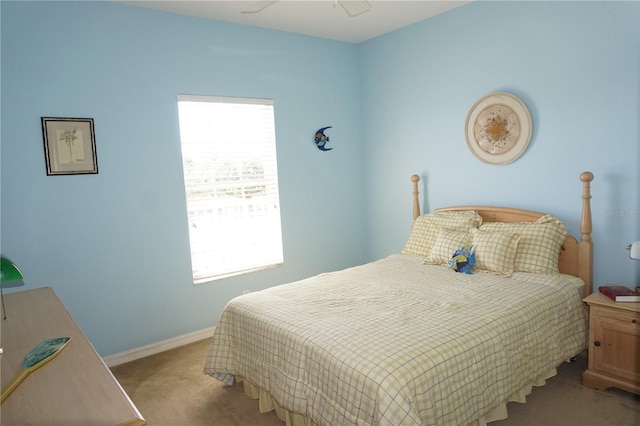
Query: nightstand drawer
(629, 318)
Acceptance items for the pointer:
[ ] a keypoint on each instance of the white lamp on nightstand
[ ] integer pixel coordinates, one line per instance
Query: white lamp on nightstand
(634, 250)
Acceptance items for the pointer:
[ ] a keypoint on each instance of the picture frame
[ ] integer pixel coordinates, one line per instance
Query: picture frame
(498, 128)
(69, 146)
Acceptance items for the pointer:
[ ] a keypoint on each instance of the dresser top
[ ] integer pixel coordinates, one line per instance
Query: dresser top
(75, 387)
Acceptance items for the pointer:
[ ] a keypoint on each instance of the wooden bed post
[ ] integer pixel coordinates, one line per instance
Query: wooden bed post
(416, 202)
(585, 247)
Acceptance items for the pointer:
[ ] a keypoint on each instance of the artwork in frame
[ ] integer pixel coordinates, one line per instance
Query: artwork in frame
(69, 146)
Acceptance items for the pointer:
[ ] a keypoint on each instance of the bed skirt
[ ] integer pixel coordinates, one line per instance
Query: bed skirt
(266, 403)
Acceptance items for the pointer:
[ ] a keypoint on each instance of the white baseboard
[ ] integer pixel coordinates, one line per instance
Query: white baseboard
(154, 348)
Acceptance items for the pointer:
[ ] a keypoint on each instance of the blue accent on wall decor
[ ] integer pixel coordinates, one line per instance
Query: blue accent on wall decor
(115, 247)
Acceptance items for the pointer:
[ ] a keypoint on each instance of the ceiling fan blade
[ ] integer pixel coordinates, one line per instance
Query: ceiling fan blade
(258, 6)
(355, 7)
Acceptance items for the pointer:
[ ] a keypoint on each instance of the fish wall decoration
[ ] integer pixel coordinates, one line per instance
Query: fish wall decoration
(321, 139)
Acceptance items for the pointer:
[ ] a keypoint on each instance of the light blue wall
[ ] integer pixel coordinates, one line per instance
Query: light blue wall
(114, 245)
(575, 65)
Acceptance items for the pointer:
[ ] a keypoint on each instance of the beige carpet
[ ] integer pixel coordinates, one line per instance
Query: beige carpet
(170, 389)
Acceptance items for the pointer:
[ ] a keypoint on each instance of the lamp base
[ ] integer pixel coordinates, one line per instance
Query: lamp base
(4, 312)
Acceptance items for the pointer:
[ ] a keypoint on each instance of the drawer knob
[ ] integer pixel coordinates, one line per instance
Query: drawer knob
(596, 343)
(634, 321)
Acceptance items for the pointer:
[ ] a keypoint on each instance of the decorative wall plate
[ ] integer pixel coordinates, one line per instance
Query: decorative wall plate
(498, 128)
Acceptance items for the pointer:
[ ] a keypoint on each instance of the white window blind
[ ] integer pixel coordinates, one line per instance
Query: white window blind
(231, 185)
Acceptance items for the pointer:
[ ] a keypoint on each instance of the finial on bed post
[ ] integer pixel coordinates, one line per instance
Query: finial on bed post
(585, 223)
(586, 245)
(416, 202)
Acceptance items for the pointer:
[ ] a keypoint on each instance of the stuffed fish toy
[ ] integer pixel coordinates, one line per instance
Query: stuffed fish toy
(463, 260)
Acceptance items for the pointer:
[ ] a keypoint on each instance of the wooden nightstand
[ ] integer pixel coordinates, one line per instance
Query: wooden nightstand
(614, 344)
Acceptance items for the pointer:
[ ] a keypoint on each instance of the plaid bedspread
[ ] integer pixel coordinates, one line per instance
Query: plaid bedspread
(396, 342)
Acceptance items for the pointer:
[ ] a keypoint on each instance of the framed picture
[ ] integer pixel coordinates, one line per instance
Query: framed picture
(69, 146)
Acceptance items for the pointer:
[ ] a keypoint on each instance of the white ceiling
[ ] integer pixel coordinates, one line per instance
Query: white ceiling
(320, 18)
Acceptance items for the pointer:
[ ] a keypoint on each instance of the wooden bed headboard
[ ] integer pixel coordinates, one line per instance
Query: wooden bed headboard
(576, 257)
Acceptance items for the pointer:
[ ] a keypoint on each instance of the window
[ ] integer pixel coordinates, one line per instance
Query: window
(231, 185)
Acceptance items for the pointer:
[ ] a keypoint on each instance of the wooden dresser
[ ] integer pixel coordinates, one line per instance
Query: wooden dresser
(614, 344)
(75, 387)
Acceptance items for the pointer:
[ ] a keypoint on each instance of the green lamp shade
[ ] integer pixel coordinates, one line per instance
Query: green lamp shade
(9, 271)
